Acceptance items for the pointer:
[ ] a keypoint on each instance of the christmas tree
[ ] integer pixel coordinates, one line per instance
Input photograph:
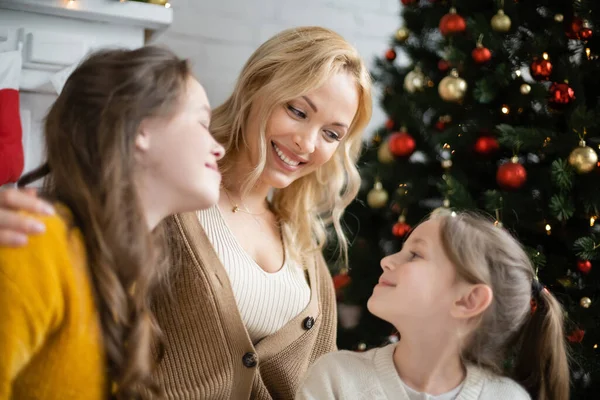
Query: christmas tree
(496, 110)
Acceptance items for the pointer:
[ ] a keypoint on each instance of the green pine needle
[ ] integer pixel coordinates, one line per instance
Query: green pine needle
(562, 175)
(562, 207)
(586, 248)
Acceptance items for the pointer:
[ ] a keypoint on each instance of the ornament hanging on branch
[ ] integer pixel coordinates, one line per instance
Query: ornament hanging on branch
(501, 22)
(384, 155)
(401, 228)
(541, 69)
(561, 94)
(583, 158)
(584, 266)
(390, 55)
(578, 29)
(525, 89)
(443, 65)
(452, 23)
(585, 302)
(576, 336)
(377, 197)
(340, 281)
(452, 88)
(485, 145)
(481, 54)
(389, 124)
(402, 34)
(511, 175)
(442, 122)
(414, 80)
(402, 144)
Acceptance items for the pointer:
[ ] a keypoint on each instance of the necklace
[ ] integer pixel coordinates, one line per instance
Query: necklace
(235, 208)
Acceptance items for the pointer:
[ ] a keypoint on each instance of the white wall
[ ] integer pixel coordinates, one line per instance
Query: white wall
(219, 35)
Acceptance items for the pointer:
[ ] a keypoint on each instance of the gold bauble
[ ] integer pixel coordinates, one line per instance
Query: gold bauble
(402, 34)
(559, 18)
(159, 2)
(377, 197)
(501, 22)
(583, 158)
(452, 87)
(585, 302)
(414, 80)
(446, 164)
(384, 155)
(525, 89)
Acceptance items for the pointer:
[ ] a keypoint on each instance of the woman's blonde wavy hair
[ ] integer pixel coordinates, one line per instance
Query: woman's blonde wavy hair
(289, 65)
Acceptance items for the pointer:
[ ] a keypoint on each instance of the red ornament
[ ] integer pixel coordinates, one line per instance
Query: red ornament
(586, 33)
(390, 55)
(573, 29)
(389, 124)
(561, 94)
(511, 175)
(452, 23)
(401, 144)
(576, 336)
(481, 54)
(486, 145)
(443, 65)
(440, 125)
(400, 229)
(541, 69)
(340, 281)
(585, 266)
(408, 2)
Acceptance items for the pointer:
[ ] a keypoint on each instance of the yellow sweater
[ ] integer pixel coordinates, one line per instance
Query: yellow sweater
(50, 338)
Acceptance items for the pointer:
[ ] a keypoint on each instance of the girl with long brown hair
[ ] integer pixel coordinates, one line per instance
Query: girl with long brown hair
(465, 299)
(127, 144)
(251, 305)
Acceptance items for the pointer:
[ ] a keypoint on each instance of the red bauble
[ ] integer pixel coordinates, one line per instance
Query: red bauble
(585, 266)
(408, 2)
(340, 281)
(400, 229)
(389, 124)
(511, 175)
(443, 65)
(401, 144)
(486, 145)
(585, 34)
(561, 94)
(390, 55)
(541, 69)
(440, 125)
(573, 29)
(481, 54)
(576, 336)
(452, 23)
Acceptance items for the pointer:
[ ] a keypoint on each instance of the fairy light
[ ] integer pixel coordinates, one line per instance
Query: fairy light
(453, 214)
(505, 109)
(588, 52)
(545, 56)
(595, 346)
(518, 72)
(168, 5)
(593, 220)
(548, 229)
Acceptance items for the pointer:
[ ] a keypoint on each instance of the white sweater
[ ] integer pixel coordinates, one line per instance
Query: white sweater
(371, 375)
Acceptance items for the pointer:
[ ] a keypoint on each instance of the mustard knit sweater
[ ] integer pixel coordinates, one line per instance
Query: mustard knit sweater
(50, 338)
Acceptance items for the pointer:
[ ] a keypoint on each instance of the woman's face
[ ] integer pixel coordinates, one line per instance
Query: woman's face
(304, 133)
(180, 155)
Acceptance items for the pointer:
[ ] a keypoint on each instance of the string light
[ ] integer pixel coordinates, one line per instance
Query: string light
(453, 214)
(168, 5)
(595, 346)
(588, 51)
(518, 72)
(545, 56)
(548, 229)
(593, 220)
(505, 109)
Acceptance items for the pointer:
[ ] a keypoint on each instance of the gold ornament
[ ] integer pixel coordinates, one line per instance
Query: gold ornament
(559, 18)
(583, 158)
(501, 22)
(402, 34)
(525, 89)
(414, 80)
(585, 302)
(377, 197)
(446, 164)
(384, 155)
(452, 87)
(159, 2)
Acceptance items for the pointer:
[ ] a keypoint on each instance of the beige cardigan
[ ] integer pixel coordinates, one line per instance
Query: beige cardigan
(208, 353)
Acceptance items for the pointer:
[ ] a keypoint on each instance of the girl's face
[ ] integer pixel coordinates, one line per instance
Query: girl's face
(179, 155)
(304, 133)
(418, 283)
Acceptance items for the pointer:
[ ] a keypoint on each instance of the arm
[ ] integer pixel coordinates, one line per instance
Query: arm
(30, 299)
(15, 227)
(317, 384)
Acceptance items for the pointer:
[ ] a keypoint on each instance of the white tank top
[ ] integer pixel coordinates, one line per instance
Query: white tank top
(266, 301)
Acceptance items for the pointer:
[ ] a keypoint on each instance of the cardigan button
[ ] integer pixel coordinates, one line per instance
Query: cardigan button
(309, 322)
(250, 360)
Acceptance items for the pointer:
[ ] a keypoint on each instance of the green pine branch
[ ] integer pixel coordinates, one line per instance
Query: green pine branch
(587, 248)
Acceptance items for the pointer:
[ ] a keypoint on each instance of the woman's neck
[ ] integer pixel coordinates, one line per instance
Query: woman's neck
(233, 190)
(429, 362)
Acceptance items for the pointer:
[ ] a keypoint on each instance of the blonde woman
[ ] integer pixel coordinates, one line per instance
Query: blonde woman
(251, 304)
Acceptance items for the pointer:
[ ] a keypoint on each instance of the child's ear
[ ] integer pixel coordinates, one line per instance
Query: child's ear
(142, 139)
(472, 301)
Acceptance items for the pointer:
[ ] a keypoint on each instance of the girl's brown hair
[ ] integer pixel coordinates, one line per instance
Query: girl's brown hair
(484, 253)
(90, 136)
